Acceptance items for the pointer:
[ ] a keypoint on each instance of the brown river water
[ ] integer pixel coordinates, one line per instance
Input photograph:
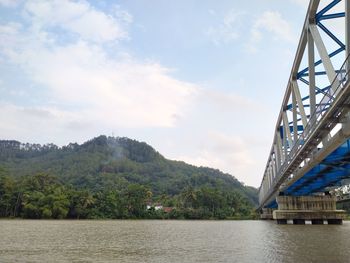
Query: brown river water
(171, 241)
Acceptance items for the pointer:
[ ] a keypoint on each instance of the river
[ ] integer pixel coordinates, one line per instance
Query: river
(171, 241)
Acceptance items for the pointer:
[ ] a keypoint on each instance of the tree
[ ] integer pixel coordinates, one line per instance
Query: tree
(8, 195)
(80, 203)
(43, 197)
(189, 197)
(136, 197)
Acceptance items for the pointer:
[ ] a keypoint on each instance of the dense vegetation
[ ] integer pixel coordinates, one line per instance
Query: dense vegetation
(109, 177)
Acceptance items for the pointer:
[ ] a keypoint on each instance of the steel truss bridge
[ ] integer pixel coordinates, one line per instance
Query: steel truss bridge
(311, 145)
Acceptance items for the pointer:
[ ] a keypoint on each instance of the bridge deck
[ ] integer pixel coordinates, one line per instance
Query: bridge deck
(329, 172)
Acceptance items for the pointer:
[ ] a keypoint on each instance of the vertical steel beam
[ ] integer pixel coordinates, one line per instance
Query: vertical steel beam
(271, 174)
(271, 169)
(295, 89)
(274, 171)
(286, 125)
(277, 157)
(279, 147)
(285, 142)
(295, 118)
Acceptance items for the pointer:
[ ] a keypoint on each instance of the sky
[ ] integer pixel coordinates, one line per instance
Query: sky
(200, 81)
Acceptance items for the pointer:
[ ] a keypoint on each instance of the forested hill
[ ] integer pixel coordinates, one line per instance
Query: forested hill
(113, 164)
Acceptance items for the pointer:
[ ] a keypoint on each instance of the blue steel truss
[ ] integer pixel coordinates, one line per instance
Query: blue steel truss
(289, 170)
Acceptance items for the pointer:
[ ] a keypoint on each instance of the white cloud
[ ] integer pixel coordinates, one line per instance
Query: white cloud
(227, 152)
(127, 93)
(10, 28)
(228, 101)
(123, 15)
(78, 17)
(9, 3)
(273, 24)
(42, 124)
(130, 93)
(228, 29)
(302, 3)
(114, 91)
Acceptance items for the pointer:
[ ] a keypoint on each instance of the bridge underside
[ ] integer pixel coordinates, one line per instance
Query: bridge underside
(329, 172)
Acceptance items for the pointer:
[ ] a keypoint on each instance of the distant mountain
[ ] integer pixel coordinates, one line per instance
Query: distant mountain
(113, 163)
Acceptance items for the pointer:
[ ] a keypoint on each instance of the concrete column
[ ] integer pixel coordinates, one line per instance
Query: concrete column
(316, 209)
(266, 214)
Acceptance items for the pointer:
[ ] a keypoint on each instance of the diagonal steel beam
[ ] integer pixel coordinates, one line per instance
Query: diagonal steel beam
(322, 51)
(312, 81)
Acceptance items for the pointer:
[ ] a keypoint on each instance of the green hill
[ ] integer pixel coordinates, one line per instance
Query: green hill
(112, 165)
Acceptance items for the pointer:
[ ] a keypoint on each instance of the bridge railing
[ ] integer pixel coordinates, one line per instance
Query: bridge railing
(317, 115)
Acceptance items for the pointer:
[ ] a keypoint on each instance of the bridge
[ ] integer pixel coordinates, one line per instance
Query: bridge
(311, 145)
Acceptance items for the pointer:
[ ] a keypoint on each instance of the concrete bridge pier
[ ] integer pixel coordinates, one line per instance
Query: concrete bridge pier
(308, 210)
(266, 214)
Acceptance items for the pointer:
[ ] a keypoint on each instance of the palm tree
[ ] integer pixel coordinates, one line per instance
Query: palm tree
(189, 197)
